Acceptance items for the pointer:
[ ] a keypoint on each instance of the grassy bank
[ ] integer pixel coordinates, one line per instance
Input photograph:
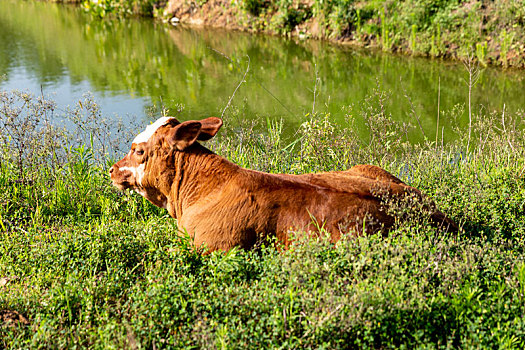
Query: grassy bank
(493, 32)
(84, 265)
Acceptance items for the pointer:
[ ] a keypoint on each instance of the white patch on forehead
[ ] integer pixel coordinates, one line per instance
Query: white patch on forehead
(150, 130)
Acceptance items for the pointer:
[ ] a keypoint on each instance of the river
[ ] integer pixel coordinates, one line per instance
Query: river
(134, 65)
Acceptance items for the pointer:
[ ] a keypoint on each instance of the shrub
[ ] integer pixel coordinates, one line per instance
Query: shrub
(86, 266)
(255, 7)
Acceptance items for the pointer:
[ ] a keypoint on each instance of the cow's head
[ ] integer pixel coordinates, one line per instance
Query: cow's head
(151, 154)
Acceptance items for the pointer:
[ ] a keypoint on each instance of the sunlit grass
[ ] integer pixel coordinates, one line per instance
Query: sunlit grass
(88, 266)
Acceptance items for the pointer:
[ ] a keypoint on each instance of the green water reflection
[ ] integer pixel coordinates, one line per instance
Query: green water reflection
(61, 49)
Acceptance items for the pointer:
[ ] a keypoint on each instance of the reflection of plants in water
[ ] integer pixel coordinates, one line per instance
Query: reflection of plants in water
(181, 67)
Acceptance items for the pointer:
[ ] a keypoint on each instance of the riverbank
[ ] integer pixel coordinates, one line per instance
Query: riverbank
(491, 32)
(83, 265)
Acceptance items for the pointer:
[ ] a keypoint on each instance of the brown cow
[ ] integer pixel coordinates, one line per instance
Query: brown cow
(223, 205)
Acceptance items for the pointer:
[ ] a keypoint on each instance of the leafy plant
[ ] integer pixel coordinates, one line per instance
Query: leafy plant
(255, 7)
(82, 265)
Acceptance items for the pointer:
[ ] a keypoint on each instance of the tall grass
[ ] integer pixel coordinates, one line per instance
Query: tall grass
(83, 265)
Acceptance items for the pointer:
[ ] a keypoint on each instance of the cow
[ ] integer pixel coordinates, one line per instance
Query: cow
(222, 205)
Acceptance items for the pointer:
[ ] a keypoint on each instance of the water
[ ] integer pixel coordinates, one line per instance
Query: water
(132, 65)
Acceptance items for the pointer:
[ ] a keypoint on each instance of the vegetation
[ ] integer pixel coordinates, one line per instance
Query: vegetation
(120, 8)
(148, 61)
(492, 31)
(83, 265)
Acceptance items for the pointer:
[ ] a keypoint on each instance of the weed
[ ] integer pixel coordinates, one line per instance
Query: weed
(83, 265)
(506, 40)
(255, 7)
(481, 53)
(120, 8)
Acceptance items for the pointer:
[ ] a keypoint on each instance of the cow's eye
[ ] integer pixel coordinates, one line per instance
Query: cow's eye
(139, 152)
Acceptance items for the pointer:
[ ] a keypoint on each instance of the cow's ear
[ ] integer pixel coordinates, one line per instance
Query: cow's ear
(185, 134)
(210, 127)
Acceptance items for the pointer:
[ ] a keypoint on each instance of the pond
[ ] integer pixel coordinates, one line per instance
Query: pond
(133, 65)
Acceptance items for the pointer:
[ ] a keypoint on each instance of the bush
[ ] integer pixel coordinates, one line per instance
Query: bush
(492, 31)
(83, 265)
(255, 7)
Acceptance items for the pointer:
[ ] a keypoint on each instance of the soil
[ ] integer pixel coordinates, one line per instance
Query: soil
(214, 13)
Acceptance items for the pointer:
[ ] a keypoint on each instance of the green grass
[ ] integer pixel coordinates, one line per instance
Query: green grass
(493, 32)
(119, 8)
(88, 266)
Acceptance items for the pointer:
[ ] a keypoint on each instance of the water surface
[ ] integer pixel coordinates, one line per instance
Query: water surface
(131, 65)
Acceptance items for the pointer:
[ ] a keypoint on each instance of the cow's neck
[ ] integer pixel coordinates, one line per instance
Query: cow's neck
(199, 172)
